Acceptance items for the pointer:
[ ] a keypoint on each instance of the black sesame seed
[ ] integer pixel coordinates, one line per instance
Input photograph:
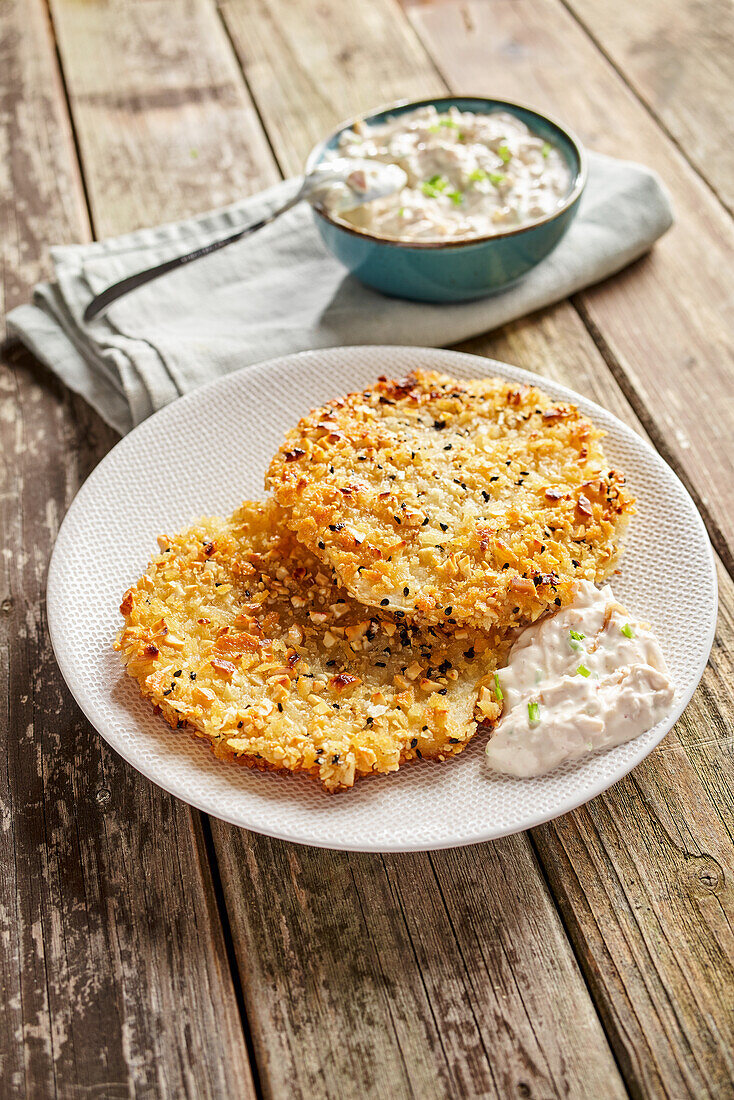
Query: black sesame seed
(485, 495)
(280, 707)
(385, 602)
(239, 725)
(380, 664)
(496, 477)
(439, 424)
(448, 610)
(414, 742)
(444, 526)
(192, 675)
(169, 690)
(321, 545)
(335, 758)
(177, 672)
(469, 653)
(406, 591)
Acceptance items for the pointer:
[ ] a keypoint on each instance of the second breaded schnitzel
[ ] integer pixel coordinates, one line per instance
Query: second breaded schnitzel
(238, 632)
(454, 501)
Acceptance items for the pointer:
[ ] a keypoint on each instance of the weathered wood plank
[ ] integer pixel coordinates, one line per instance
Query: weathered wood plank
(157, 96)
(677, 58)
(664, 323)
(420, 976)
(309, 67)
(644, 873)
(114, 978)
(647, 1043)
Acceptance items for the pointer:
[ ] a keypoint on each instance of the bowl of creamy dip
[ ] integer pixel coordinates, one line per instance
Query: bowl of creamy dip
(492, 186)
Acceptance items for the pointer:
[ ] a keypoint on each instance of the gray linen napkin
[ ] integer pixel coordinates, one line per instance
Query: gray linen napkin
(280, 292)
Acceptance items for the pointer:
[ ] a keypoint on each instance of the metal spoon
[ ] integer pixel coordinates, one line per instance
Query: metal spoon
(347, 184)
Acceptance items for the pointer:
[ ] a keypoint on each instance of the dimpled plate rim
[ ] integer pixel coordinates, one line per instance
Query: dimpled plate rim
(188, 440)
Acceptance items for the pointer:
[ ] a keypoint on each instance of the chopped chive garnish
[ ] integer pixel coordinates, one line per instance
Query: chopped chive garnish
(546, 148)
(496, 178)
(434, 186)
(445, 122)
(576, 636)
(534, 712)
(504, 154)
(628, 631)
(456, 197)
(583, 670)
(497, 689)
(478, 175)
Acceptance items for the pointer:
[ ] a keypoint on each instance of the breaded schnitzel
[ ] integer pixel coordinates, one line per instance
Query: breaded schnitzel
(239, 632)
(453, 501)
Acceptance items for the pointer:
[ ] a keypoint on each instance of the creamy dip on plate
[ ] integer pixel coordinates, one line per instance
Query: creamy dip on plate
(587, 678)
(469, 175)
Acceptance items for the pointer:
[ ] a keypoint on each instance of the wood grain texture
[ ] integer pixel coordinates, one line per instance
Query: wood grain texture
(664, 323)
(644, 873)
(425, 976)
(678, 59)
(309, 67)
(114, 979)
(157, 97)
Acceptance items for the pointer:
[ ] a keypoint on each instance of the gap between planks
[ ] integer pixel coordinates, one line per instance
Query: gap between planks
(655, 115)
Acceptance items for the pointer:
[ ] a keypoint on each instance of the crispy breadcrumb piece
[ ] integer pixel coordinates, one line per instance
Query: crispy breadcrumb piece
(238, 632)
(478, 502)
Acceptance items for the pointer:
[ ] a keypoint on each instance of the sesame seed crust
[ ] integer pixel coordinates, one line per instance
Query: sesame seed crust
(240, 634)
(481, 502)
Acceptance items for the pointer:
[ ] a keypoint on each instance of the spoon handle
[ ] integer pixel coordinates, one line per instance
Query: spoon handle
(132, 282)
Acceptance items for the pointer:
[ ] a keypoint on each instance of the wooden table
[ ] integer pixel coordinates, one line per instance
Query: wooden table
(147, 950)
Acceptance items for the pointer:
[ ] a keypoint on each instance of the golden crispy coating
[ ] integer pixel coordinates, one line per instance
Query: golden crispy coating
(475, 502)
(237, 631)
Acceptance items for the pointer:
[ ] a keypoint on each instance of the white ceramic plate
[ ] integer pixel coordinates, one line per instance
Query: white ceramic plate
(208, 451)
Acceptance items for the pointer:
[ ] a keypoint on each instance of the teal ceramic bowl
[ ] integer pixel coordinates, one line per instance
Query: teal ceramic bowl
(461, 270)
